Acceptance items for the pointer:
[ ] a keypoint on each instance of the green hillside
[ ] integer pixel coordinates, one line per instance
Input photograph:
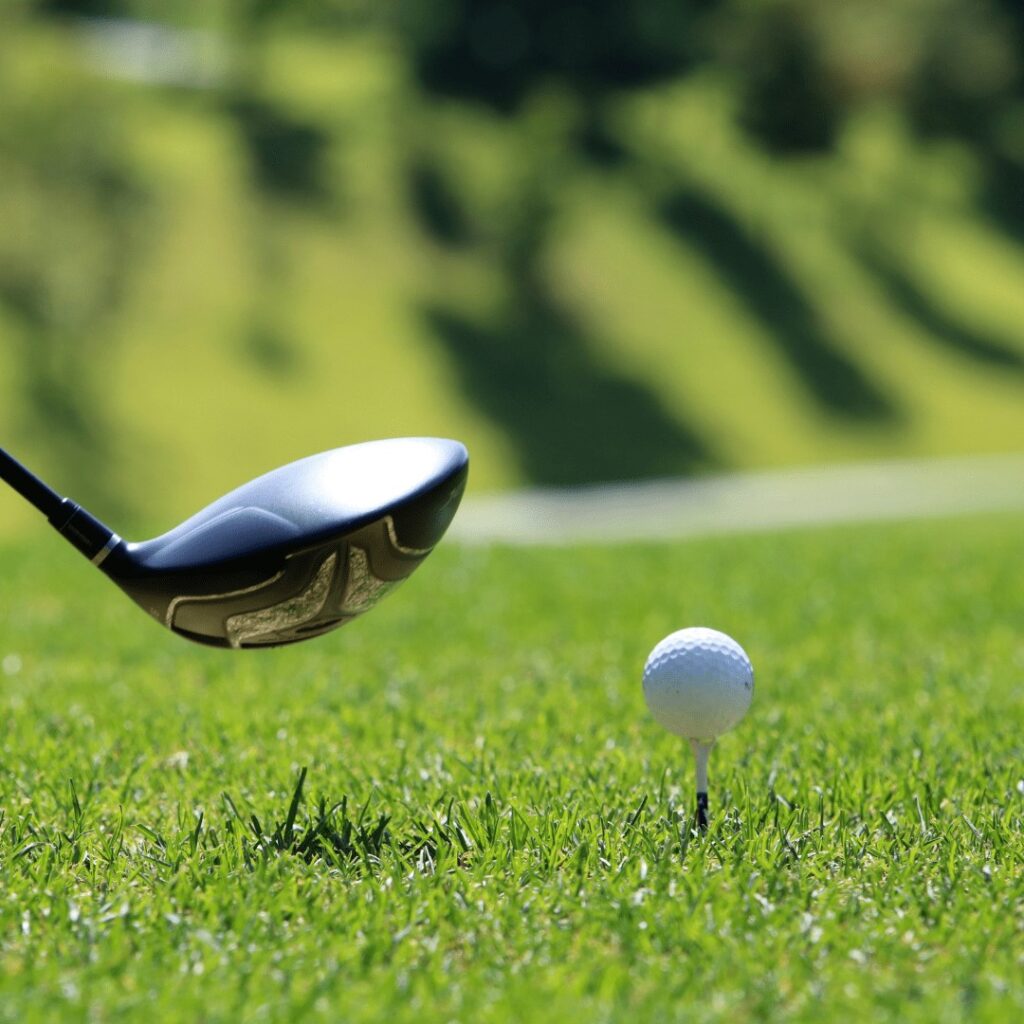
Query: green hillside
(692, 305)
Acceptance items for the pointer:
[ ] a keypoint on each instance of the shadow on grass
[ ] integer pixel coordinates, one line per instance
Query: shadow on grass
(269, 351)
(435, 203)
(287, 155)
(1002, 193)
(940, 327)
(533, 372)
(834, 380)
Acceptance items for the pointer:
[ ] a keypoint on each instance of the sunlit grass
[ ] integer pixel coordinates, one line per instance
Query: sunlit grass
(458, 808)
(193, 411)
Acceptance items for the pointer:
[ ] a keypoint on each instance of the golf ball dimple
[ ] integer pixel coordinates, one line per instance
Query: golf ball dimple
(698, 683)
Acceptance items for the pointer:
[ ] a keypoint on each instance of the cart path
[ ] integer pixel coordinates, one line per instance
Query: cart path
(744, 502)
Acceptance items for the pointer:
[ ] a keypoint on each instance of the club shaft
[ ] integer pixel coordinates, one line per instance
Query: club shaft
(77, 526)
(28, 485)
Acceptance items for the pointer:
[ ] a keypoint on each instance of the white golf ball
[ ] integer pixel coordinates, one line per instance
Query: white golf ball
(698, 683)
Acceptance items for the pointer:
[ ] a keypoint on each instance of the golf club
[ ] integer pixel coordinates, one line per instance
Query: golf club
(288, 556)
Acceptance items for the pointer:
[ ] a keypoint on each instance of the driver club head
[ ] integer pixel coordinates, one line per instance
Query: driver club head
(298, 551)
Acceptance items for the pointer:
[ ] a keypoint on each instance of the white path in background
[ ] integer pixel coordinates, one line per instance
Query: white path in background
(744, 502)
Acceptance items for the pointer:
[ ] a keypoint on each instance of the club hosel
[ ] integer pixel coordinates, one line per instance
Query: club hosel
(83, 530)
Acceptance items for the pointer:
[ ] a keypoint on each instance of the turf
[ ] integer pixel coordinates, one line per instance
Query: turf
(458, 809)
(710, 307)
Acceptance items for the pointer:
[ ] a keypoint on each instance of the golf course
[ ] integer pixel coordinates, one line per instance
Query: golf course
(724, 301)
(459, 808)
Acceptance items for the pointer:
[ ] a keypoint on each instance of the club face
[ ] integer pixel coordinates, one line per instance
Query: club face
(302, 550)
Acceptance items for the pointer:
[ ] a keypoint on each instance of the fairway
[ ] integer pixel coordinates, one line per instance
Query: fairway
(491, 827)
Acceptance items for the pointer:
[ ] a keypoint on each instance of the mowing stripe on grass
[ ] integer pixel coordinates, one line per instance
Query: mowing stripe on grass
(745, 502)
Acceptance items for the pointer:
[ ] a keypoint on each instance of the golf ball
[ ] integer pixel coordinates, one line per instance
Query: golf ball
(698, 683)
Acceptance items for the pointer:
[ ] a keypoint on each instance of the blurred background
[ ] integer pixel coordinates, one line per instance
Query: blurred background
(595, 241)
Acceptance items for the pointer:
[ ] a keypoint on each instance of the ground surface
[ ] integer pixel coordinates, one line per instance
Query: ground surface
(510, 842)
(745, 502)
(710, 308)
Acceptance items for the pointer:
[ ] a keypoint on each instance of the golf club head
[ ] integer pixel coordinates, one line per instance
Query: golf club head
(301, 550)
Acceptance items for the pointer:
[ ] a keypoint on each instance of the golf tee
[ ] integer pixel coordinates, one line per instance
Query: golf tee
(701, 752)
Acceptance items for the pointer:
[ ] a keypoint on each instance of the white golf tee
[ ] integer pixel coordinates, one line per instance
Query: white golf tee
(701, 752)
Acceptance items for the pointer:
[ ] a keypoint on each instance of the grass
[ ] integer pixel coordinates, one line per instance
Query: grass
(458, 809)
(704, 340)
